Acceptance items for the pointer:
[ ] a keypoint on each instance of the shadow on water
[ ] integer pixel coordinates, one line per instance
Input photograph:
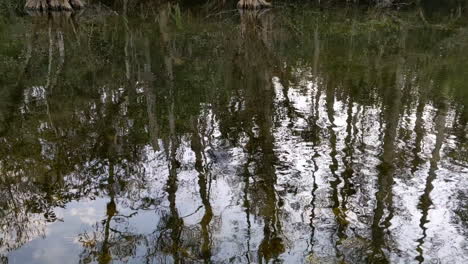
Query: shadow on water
(270, 136)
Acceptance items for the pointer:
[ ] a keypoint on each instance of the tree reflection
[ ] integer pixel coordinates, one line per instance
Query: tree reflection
(255, 71)
(425, 201)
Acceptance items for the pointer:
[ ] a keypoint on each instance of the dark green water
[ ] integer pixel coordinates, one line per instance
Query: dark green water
(288, 136)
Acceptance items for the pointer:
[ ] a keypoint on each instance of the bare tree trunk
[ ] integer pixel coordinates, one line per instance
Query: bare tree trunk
(253, 4)
(43, 5)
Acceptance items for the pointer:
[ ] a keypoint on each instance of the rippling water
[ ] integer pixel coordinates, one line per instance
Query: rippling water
(294, 135)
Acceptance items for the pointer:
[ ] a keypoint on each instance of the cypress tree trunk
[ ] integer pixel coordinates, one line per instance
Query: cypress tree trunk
(43, 5)
(253, 4)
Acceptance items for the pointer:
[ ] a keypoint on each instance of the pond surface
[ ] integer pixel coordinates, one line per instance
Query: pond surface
(294, 135)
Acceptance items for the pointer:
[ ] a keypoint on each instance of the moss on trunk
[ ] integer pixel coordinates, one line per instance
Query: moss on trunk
(43, 5)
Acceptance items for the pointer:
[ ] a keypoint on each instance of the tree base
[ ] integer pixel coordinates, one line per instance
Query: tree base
(253, 4)
(56, 5)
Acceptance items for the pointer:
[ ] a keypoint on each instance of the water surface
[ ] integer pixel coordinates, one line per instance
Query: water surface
(294, 135)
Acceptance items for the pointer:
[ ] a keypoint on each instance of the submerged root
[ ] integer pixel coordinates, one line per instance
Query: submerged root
(37, 5)
(253, 4)
(56, 5)
(60, 5)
